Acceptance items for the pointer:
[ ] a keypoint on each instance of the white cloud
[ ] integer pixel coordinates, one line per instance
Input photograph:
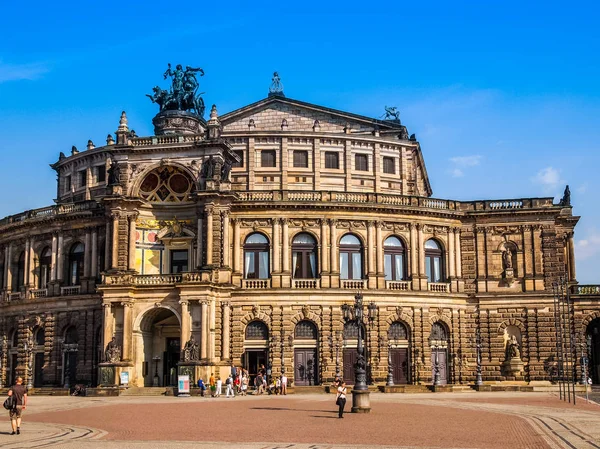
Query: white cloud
(460, 163)
(16, 72)
(548, 178)
(582, 188)
(589, 246)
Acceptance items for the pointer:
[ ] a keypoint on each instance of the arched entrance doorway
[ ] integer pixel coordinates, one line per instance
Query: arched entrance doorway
(438, 341)
(306, 370)
(70, 349)
(593, 344)
(256, 348)
(399, 347)
(38, 361)
(157, 348)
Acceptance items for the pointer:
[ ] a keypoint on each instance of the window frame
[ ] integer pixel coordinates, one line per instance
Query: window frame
(100, 169)
(334, 154)
(304, 250)
(179, 263)
(20, 274)
(45, 268)
(349, 250)
(361, 157)
(82, 178)
(240, 164)
(431, 255)
(388, 162)
(256, 249)
(264, 154)
(75, 265)
(300, 154)
(395, 251)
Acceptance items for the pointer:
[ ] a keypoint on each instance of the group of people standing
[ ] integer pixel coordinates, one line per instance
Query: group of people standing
(238, 381)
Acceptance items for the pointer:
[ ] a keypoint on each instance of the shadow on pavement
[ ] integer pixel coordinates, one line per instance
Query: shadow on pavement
(291, 409)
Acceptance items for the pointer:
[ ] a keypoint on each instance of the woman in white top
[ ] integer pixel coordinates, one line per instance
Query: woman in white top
(341, 399)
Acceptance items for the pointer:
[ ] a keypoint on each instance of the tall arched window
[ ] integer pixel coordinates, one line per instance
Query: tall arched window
(257, 330)
(20, 280)
(256, 257)
(75, 264)
(71, 336)
(439, 332)
(45, 265)
(304, 256)
(350, 257)
(40, 337)
(305, 330)
(394, 257)
(398, 331)
(434, 262)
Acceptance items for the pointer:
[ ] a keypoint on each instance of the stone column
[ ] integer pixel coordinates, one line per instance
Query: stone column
(94, 267)
(27, 262)
(127, 331)
(185, 323)
(237, 245)
(132, 238)
(458, 252)
(54, 257)
(414, 252)
(379, 245)
(225, 324)
(527, 252)
(324, 246)
(571, 244)
(451, 255)
(209, 235)
(333, 245)
(371, 249)
(5, 268)
(107, 247)
(199, 243)
(286, 246)
(276, 240)
(108, 325)
(115, 241)
(212, 324)
(87, 254)
(204, 330)
(226, 247)
(59, 264)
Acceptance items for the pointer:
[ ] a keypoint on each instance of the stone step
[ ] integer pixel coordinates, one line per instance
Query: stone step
(144, 391)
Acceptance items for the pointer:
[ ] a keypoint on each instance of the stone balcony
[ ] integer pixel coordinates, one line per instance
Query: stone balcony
(585, 290)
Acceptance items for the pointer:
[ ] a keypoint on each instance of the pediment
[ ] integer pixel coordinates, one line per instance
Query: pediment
(285, 114)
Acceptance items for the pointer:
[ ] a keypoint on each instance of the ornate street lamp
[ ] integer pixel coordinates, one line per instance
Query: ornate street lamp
(436, 364)
(334, 345)
(290, 343)
(28, 347)
(360, 391)
(390, 374)
(3, 342)
(156, 381)
(476, 343)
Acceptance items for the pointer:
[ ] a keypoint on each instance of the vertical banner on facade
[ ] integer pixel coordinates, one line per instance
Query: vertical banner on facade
(125, 378)
(183, 385)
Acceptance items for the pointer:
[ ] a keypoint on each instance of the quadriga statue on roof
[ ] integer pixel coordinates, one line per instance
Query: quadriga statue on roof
(183, 95)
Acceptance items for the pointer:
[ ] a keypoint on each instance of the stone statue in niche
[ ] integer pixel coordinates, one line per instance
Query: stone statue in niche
(512, 349)
(191, 352)
(507, 255)
(225, 170)
(208, 169)
(113, 351)
(114, 174)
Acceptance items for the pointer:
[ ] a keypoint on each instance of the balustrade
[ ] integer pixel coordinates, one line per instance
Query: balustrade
(397, 285)
(35, 293)
(256, 283)
(305, 283)
(70, 291)
(157, 279)
(14, 296)
(586, 289)
(438, 287)
(354, 284)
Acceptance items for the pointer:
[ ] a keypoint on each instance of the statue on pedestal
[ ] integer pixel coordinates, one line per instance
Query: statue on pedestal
(191, 351)
(113, 351)
(512, 349)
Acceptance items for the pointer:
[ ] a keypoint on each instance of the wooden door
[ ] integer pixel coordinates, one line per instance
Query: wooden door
(38, 369)
(350, 356)
(70, 368)
(401, 366)
(443, 365)
(305, 367)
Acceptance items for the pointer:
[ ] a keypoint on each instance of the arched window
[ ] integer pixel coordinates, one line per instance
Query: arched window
(166, 184)
(75, 264)
(439, 332)
(394, 257)
(350, 257)
(398, 331)
(304, 256)
(434, 262)
(71, 335)
(45, 266)
(305, 330)
(15, 339)
(257, 330)
(20, 280)
(256, 257)
(40, 337)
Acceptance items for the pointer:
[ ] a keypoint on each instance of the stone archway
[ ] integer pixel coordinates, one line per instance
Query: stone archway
(157, 347)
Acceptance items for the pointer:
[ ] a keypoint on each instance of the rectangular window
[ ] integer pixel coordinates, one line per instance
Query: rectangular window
(301, 159)
(332, 159)
(100, 173)
(361, 162)
(82, 178)
(68, 183)
(268, 158)
(179, 261)
(240, 154)
(389, 165)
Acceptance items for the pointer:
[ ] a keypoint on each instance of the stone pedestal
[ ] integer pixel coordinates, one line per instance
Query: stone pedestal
(361, 401)
(512, 367)
(110, 373)
(178, 122)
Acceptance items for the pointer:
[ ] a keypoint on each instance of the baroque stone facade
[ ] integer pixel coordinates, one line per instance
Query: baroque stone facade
(249, 236)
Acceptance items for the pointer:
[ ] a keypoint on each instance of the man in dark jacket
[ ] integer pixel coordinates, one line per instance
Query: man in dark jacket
(19, 391)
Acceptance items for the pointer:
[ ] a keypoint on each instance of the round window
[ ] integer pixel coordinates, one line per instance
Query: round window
(179, 183)
(150, 183)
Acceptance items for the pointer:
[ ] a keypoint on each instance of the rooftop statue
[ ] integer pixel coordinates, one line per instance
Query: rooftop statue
(391, 113)
(566, 199)
(183, 95)
(276, 87)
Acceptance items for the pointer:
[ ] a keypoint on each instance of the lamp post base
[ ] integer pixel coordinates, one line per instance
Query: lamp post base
(361, 401)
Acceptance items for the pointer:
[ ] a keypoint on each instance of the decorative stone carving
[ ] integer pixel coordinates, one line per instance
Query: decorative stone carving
(191, 351)
(305, 311)
(513, 350)
(112, 353)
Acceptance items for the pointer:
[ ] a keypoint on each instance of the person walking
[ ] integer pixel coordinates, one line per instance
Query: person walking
(213, 385)
(19, 391)
(283, 384)
(244, 385)
(201, 386)
(229, 387)
(219, 386)
(340, 399)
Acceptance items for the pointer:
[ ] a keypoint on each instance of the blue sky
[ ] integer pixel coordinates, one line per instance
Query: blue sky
(503, 96)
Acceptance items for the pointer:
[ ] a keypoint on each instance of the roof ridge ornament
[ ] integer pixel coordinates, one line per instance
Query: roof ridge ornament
(183, 94)
(276, 88)
(392, 114)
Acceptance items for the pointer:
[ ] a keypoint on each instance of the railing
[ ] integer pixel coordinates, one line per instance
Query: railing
(346, 197)
(354, 284)
(438, 287)
(586, 289)
(397, 285)
(50, 211)
(157, 279)
(191, 277)
(70, 291)
(305, 283)
(256, 196)
(14, 296)
(256, 284)
(35, 293)
(511, 204)
(304, 196)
